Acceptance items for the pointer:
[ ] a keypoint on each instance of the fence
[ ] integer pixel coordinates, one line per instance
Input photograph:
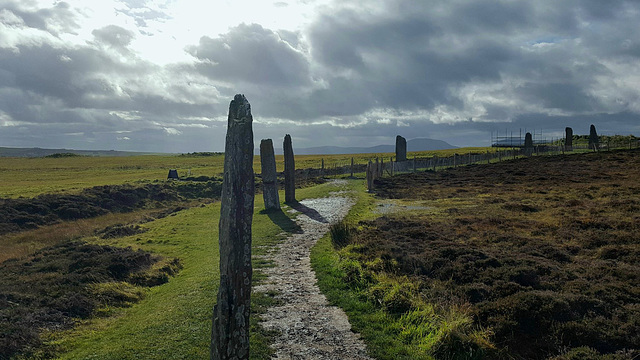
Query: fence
(380, 167)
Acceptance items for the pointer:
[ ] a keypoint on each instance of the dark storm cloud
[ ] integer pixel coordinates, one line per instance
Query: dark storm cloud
(547, 55)
(252, 54)
(85, 95)
(359, 72)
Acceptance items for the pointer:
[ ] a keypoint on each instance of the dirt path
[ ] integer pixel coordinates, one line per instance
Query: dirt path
(309, 327)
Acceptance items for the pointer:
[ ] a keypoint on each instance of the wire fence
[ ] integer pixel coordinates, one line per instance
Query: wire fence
(376, 167)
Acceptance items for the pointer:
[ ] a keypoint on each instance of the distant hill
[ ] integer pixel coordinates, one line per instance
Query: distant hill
(412, 145)
(38, 152)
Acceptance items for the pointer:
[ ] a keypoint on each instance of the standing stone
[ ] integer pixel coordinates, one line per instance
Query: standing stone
(289, 171)
(594, 141)
(528, 144)
(269, 175)
(568, 139)
(230, 332)
(401, 148)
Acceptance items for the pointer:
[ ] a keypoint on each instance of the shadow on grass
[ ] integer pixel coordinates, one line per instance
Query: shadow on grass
(283, 221)
(312, 213)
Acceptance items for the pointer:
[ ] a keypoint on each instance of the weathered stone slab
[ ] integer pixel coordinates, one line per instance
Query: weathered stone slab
(528, 144)
(568, 139)
(594, 140)
(401, 148)
(269, 175)
(230, 331)
(289, 171)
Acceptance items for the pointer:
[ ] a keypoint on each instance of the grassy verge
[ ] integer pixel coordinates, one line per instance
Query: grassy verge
(380, 330)
(173, 321)
(537, 256)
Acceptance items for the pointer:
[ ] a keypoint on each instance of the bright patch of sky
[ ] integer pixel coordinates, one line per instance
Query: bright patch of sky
(162, 29)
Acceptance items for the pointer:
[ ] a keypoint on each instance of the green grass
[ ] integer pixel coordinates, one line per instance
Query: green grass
(173, 321)
(29, 177)
(387, 310)
(379, 330)
(513, 259)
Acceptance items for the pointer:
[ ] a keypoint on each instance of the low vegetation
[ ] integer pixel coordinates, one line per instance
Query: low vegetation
(528, 259)
(21, 214)
(133, 312)
(29, 177)
(54, 287)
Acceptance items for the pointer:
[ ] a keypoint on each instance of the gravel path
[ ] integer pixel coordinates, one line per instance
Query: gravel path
(309, 327)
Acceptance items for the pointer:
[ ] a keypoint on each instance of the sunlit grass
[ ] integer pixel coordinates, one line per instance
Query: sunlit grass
(28, 177)
(173, 321)
(26, 242)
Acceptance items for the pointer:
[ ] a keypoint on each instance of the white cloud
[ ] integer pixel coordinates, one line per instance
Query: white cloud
(323, 68)
(172, 131)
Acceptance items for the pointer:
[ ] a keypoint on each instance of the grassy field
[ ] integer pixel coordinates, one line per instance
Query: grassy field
(171, 320)
(500, 261)
(28, 177)
(528, 259)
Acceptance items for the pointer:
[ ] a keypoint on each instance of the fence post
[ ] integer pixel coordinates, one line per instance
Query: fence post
(322, 167)
(370, 176)
(414, 163)
(351, 166)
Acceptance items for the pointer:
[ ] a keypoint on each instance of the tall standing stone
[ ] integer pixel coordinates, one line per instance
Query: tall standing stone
(401, 148)
(594, 140)
(289, 171)
(230, 331)
(528, 144)
(269, 175)
(568, 139)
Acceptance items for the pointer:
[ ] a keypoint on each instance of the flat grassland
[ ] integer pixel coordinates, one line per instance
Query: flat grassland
(528, 259)
(536, 258)
(126, 286)
(28, 177)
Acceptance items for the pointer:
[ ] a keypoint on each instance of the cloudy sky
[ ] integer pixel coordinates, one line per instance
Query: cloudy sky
(159, 75)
